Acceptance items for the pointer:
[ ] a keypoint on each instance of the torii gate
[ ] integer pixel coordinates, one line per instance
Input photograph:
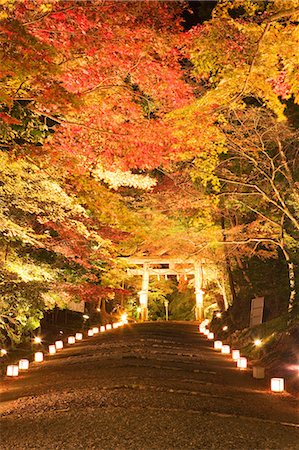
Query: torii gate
(195, 268)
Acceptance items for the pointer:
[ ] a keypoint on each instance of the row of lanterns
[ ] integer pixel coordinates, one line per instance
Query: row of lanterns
(13, 369)
(277, 384)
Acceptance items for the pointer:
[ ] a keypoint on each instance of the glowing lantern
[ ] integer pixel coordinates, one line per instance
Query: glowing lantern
(38, 356)
(3, 352)
(37, 340)
(52, 349)
(202, 328)
(59, 345)
(102, 329)
(242, 363)
(71, 340)
(23, 364)
(225, 328)
(108, 326)
(218, 345)
(90, 332)
(257, 342)
(225, 349)
(12, 371)
(79, 336)
(277, 384)
(235, 355)
(211, 336)
(115, 325)
(218, 315)
(206, 332)
(258, 372)
(95, 330)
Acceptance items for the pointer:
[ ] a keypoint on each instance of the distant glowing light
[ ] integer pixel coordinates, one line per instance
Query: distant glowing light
(3, 351)
(277, 384)
(242, 363)
(257, 342)
(37, 340)
(85, 316)
(206, 332)
(235, 354)
(218, 315)
(90, 332)
(102, 329)
(71, 340)
(108, 326)
(211, 336)
(225, 349)
(225, 328)
(12, 371)
(218, 345)
(23, 364)
(52, 349)
(59, 345)
(79, 336)
(124, 317)
(38, 356)
(95, 330)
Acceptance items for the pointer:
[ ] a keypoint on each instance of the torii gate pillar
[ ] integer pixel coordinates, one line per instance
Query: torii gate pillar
(143, 294)
(198, 291)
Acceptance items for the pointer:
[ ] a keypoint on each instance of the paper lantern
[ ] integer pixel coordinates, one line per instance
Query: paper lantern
(38, 356)
(90, 332)
(115, 325)
(37, 340)
(24, 364)
(211, 336)
(102, 329)
(242, 363)
(277, 384)
(71, 340)
(59, 345)
(218, 345)
(202, 328)
(95, 330)
(235, 354)
(79, 336)
(12, 371)
(108, 326)
(225, 349)
(52, 349)
(206, 332)
(258, 372)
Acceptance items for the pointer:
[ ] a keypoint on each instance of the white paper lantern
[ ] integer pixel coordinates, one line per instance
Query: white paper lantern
(24, 364)
(12, 371)
(218, 345)
(235, 355)
(79, 336)
(202, 328)
(115, 325)
(242, 363)
(52, 349)
(90, 332)
(102, 329)
(108, 326)
(258, 372)
(95, 330)
(71, 340)
(225, 349)
(38, 356)
(59, 345)
(277, 384)
(206, 332)
(211, 336)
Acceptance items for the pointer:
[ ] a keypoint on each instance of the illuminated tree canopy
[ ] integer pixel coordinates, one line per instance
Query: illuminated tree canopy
(124, 130)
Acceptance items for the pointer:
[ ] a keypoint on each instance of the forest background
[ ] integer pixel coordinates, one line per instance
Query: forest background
(145, 128)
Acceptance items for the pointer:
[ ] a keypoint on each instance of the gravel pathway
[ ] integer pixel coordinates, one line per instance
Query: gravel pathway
(146, 386)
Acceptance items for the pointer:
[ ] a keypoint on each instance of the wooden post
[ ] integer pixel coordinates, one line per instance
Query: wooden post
(143, 294)
(198, 291)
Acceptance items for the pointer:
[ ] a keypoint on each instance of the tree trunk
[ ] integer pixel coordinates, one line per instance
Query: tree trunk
(227, 262)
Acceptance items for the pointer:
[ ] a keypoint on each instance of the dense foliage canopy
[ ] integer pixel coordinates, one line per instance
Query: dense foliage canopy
(124, 133)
